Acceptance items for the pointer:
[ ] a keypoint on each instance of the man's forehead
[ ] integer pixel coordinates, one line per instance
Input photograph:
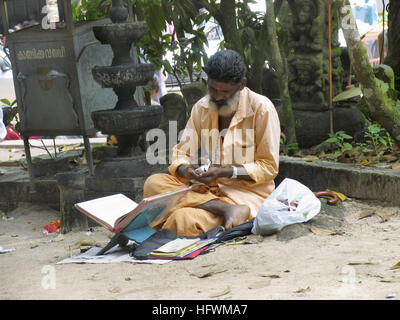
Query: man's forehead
(220, 85)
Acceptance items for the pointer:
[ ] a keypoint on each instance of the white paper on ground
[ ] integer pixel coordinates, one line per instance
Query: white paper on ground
(115, 254)
(2, 250)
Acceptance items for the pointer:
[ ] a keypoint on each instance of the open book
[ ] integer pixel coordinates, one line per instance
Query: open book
(118, 213)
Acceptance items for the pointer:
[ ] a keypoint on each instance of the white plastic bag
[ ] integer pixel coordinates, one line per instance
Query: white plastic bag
(291, 202)
(3, 130)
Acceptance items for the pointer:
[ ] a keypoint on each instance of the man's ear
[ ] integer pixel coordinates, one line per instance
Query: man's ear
(243, 83)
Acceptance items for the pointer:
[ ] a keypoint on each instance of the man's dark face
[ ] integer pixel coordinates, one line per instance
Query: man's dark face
(221, 92)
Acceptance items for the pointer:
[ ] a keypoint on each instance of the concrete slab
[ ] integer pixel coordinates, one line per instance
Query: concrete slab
(354, 181)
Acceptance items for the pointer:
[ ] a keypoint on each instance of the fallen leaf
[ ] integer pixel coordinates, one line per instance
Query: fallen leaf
(259, 284)
(303, 290)
(396, 279)
(384, 218)
(115, 290)
(208, 265)
(365, 215)
(356, 263)
(272, 276)
(396, 266)
(207, 273)
(364, 162)
(383, 214)
(324, 232)
(311, 158)
(220, 293)
(83, 243)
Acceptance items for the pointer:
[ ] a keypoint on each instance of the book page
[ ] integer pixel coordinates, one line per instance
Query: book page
(151, 210)
(110, 208)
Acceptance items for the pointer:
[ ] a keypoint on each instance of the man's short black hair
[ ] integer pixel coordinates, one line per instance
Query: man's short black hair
(226, 66)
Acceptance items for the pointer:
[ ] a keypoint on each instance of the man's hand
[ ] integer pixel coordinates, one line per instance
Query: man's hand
(208, 178)
(188, 171)
(213, 174)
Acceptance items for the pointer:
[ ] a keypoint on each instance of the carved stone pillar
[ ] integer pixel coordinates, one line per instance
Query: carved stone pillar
(72, 190)
(309, 55)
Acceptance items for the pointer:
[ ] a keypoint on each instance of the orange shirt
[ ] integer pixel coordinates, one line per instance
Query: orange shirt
(252, 140)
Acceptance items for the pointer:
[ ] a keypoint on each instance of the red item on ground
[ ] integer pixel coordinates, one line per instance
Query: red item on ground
(48, 228)
(52, 226)
(55, 224)
(12, 135)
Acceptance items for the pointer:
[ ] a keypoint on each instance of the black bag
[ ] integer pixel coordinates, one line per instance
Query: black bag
(241, 230)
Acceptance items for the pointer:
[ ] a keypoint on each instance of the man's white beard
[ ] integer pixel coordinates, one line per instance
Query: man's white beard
(228, 108)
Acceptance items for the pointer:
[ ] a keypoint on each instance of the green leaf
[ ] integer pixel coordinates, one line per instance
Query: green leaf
(374, 128)
(332, 140)
(346, 136)
(347, 146)
(6, 102)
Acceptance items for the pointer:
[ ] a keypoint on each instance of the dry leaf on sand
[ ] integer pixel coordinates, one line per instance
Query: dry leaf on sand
(365, 215)
(357, 263)
(303, 290)
(396, 279)
(220, 293)
(260, 284)
(272, 276)
(324, 232)
(114, 290)
(396, 266)
(206, 273)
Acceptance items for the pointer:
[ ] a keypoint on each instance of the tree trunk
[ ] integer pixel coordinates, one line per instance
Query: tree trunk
(260, 54)
(225, 14)
(393, 57)
(379, 105)
(280, 65)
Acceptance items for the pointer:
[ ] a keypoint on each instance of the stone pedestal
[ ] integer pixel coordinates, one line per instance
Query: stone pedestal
(193, 92)
(72, 190)
(312, 127)
(99, 185)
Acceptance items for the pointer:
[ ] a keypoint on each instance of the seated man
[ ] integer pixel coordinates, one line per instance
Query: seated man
(240, 131)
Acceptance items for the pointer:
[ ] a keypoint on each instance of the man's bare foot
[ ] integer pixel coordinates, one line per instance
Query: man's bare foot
(233, 214)
(236, 215)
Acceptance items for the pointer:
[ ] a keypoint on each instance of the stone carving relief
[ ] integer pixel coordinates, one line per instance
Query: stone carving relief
(308, 57)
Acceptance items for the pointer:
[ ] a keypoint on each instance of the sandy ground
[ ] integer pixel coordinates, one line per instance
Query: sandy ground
(353, 265)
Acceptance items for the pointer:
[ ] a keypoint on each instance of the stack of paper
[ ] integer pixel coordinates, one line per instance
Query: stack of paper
(180, 248)
(174, 247)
